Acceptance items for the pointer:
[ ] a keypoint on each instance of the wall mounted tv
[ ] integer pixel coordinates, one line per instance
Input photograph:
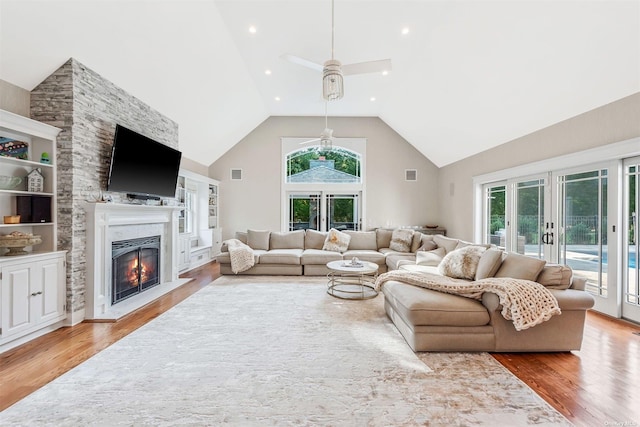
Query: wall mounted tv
(142, 167)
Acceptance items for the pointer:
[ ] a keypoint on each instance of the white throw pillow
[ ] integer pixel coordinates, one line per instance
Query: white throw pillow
(433, 257)
(336, 241)
(462, 263)
(401, 240)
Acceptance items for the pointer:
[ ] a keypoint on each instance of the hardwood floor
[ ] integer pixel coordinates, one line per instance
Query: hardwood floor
(596, 386)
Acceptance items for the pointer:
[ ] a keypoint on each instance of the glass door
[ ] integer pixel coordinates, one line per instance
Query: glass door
(322, 211)
(583, 240)
(631, 243)
(530, 234)
(342, 211)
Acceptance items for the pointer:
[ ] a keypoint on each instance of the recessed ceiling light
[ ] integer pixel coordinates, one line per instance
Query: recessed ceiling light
(277, 98)
(385, 73)
(267, 72)
(252, 29)
(373, 98)
(405, 31)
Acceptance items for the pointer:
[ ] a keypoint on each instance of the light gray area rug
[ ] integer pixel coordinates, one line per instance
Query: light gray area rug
(279, 351)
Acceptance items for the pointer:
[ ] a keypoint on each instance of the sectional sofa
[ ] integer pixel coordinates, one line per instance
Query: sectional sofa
(431, 320)
(301, 252)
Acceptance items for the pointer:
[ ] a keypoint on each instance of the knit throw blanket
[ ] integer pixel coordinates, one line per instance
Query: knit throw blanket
(524, 302)
(241, 256)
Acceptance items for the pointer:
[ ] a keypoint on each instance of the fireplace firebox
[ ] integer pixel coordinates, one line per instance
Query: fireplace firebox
(135, 266)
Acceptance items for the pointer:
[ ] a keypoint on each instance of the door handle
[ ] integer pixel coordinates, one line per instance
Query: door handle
(33, 294)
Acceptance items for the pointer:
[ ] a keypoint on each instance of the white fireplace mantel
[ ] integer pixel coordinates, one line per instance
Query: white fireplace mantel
(110, 222)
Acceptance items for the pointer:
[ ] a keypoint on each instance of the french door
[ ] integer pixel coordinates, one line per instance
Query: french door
(324, 210)
(630, 240)
(564, 217)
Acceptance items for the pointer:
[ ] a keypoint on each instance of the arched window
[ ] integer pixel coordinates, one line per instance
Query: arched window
(322, 188)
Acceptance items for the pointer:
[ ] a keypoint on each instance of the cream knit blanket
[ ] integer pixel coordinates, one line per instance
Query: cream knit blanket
(524, 302)
(241, 256)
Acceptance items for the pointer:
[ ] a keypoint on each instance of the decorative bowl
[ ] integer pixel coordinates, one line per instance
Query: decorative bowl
(9, 182)
(16, 242)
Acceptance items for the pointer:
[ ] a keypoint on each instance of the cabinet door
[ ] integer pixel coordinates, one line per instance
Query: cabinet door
(49, 305)
(184, 254)
(17, 314)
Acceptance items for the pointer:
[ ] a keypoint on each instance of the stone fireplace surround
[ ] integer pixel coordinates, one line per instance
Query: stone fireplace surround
(112, 222)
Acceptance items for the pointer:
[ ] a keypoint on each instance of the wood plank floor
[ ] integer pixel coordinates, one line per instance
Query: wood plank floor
(596, 386)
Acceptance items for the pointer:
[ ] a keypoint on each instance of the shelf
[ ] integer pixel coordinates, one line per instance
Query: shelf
(25, 193)
(26, 224)
(30, 163)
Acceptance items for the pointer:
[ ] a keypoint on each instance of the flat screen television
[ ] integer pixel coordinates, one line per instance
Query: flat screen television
(142, 167)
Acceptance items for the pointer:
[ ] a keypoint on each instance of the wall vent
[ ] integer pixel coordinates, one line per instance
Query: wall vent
(236, 174)
(410, 174)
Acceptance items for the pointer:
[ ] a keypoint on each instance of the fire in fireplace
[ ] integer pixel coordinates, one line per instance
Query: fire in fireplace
(135, 265)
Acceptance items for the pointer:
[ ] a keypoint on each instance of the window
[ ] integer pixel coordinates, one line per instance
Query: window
(323, 189)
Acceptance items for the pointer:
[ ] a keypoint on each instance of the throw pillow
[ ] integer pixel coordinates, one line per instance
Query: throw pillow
(519, 266)
(336, 241)
(416, 242)
(555, 276)
(461, 263)
(429, 245)
(383, 237)
(433, 257)
(490, 262)
(258, 239)
(401, 239)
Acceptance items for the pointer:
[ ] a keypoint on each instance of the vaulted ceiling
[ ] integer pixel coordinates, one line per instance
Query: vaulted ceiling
(466, 76)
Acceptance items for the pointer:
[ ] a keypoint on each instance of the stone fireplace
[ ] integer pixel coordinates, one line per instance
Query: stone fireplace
(132, 257)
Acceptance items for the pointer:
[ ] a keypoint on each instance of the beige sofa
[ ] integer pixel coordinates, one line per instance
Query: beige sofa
(301, 252)
(435, 321)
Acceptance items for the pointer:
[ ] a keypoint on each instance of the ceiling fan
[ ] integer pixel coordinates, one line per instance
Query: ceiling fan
(333, 70)
(326, 136)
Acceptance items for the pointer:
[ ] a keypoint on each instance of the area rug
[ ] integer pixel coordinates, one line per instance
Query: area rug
(279, 351)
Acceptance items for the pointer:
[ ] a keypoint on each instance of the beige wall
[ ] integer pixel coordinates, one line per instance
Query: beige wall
(194, 167)
(14, 99)
(615, 122)
(254, 202)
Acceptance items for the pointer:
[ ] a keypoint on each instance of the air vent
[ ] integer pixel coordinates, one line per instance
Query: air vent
(236, 174)
(410, 175)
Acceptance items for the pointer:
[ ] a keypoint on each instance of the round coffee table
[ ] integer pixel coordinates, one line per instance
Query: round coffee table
(347, 281)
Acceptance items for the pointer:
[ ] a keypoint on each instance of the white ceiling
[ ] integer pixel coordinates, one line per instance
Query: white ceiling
(468, 76)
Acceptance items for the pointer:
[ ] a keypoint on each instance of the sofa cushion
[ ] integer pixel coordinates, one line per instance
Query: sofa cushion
(383, 237)
(393, 259)
(416, 242)
(424, 307)
(287, 240)
(281, 256)
(489, 263)
(461, 263)
(365, 255)
(447, 243)
(258, 239)
(401, 239)
(362, 240)
(433, 257)
(336, 241)
(555, 276)
(520, 267)
(319, 257)
(225, 257)
(314, 239)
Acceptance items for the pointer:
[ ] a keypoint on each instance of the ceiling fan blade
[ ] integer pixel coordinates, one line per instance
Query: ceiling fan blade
(310, 140)
(301, 61)
(367, 67)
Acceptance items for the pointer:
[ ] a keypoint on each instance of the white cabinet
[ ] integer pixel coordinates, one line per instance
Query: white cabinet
(216, 245)
(33, 286)
(184, 256)
(32, 294)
